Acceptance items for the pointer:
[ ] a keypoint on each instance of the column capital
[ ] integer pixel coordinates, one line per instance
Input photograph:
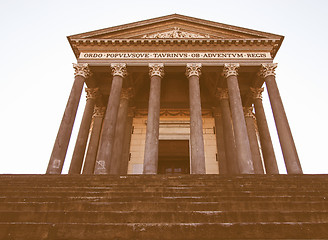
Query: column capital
(156, 69)
(119, 69)
(81, 69)
(267, 69)
(99, 111)
(193, 69)
(248, 112)
(92, 93)
(257, 93)
(222, 93)
(230, 69)
(127, 93)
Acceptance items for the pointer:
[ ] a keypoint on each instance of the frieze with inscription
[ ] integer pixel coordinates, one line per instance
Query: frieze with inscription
(175, 55)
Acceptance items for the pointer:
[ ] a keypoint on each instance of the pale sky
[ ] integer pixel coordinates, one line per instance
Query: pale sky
(37, 74)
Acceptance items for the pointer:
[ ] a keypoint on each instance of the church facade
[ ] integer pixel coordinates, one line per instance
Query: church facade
(174, 95)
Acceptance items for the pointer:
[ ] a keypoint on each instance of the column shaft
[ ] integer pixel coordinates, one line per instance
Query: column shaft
(244, 155)
(107, 137)
(229, 139)
(82, 138)
(255, 148)
(90, 158)
(269, 158)
(119, 133)
(223, 168)
(288, 147)
(152, 132)
(196, 124)
(59, 150)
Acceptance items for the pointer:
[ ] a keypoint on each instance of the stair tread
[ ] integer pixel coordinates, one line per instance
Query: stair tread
(163, 206)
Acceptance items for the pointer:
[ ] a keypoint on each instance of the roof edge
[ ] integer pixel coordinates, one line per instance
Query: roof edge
(171, 17)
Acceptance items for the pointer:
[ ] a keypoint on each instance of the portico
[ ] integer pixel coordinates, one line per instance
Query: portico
(169, 81)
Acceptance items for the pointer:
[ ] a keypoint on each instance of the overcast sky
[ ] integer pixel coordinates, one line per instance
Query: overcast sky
(37, 74)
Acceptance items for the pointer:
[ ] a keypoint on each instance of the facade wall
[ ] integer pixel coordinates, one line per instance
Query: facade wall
(171, 128)
(210, 146)
(137, 145)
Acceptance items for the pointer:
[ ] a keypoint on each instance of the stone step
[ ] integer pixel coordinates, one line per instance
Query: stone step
(164, 206)
(182, 198)
(163, 231)
(156, 182)
(145, 188)
(161, 187)
(165, 217)
(133, 193)
(154, 179)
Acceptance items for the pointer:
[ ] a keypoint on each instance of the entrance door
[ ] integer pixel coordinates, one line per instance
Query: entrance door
(173, 157)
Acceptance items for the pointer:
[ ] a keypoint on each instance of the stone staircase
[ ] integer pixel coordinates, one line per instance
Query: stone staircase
(163, 207)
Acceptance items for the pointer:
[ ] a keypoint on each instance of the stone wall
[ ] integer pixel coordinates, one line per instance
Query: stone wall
(171, 128)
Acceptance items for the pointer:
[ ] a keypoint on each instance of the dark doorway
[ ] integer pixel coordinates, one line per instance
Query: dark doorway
(173, 157)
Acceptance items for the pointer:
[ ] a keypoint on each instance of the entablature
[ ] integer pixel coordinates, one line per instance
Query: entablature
(174, 45)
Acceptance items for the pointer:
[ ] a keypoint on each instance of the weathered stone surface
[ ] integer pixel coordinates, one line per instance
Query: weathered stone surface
(152, 133)
(107, 137)
(59, 150)
(197, 158)
(163, 207)
(269, 157)
(287, 143)
(243, 149)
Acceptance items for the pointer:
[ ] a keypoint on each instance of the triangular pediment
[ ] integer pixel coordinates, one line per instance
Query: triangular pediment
(175, 26)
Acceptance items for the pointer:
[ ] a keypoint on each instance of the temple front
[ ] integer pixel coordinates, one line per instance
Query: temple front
(174, 95)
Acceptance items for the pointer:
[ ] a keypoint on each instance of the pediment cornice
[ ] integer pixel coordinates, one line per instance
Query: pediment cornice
(175, 29)
(170, 22)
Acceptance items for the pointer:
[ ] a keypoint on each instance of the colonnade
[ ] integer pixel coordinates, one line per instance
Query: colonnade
(110, 135)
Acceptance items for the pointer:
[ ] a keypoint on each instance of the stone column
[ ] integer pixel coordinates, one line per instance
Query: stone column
(197, 166)
(90, 158)
(244, 155)
(107, 137)
(126, 143)
(288, 147)
(223, 168)
(82, 137)
(269, 158)
(229, 139)
(116, 161)
(156, 73)
(255, 148)
(59, 150)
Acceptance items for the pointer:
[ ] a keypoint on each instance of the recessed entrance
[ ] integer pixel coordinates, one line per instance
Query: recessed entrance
(173, 157)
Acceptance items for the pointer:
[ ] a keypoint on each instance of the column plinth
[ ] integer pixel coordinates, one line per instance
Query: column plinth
(269, 158)
(90, 158)
(59, 150)
(107, 137)
(197, 165)
(229, 139)
(244, 155)
(255, 148)
(287, 144)
(116, 162)
(82, 138)
(156, 73)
